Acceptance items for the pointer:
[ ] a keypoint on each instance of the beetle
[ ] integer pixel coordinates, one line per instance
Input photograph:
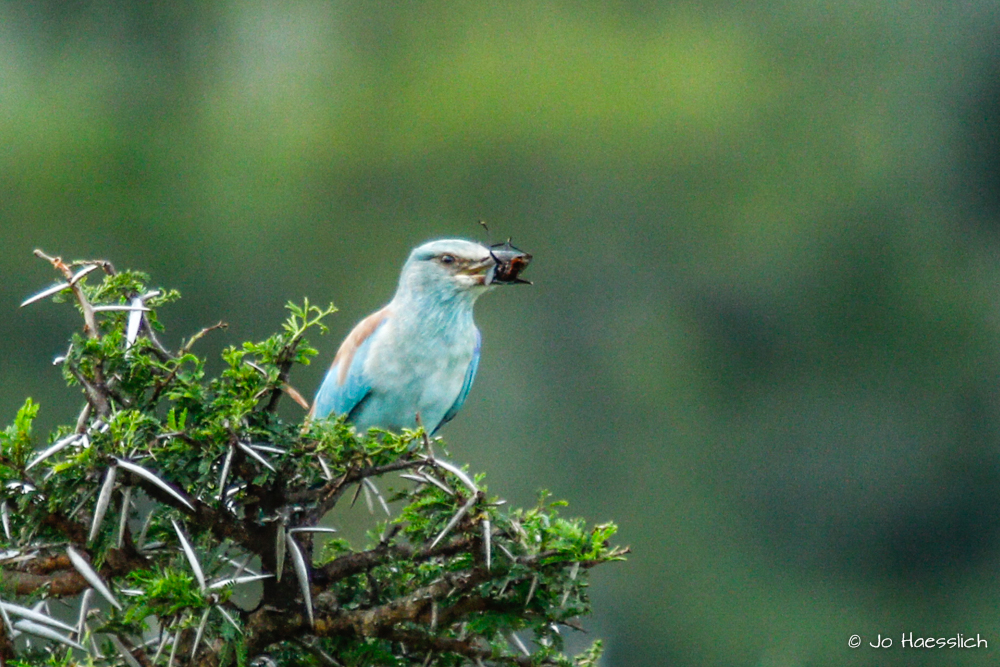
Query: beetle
(511, 262)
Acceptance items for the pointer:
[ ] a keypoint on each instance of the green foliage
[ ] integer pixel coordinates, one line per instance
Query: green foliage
(178, 489)
(16, 438)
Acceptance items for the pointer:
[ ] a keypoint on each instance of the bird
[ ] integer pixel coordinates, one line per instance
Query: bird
(412, 362)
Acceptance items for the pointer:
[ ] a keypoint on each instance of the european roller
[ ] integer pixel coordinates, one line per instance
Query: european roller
(417, 355)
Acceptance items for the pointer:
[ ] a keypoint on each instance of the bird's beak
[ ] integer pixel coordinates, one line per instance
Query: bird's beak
(510, 262)
(479, 271)
(479, 268)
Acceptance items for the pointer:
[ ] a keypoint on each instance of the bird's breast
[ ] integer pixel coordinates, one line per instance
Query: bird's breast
(402, 356)
(411, 372)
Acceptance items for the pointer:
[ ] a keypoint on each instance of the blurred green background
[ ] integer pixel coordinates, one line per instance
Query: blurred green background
(764, 334)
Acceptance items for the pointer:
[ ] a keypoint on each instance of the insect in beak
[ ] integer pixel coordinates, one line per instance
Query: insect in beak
(510, 263)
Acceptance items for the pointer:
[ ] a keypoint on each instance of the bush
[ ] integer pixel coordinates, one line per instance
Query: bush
(183, 519)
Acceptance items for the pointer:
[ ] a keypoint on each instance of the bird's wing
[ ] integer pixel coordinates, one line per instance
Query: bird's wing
(346, 385)
(470, 375)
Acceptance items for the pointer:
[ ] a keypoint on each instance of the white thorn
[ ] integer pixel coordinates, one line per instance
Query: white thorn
(199, 633)
(90, 574)
(150, 477)
(239, 580)
(255, 455)
(129, 658)
(45, 631)
(455, 519)
(191, 556)
(44, 293)
(123, 521)
(34, 615)
(302, 572)
(103, 499)
(487, 537)
(134, 321)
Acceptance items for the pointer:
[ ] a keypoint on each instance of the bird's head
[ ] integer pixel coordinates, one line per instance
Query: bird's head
(453, 267)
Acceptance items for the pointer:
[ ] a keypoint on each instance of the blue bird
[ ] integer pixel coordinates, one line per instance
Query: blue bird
(417, 355)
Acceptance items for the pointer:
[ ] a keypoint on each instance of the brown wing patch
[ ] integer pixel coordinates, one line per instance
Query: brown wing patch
(358, 335)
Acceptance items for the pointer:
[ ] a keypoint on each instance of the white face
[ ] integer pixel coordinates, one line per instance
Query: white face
(461, 264)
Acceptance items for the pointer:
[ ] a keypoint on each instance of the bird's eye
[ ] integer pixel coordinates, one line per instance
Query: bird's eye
(447, 259)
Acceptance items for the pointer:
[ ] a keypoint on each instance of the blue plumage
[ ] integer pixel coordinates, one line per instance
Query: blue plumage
(470, 375)
(343, 397)
(419, 353)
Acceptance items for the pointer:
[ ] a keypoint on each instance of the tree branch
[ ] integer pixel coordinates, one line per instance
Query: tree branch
(47, 564)
(90, 322)
(330, 494)
(61, 580)
(76, 532)
(64, 584)
(401, 597)
(6, 644)
(362, 561)
(287, 356)
(463, 647)
(267, 626)
(96, 393)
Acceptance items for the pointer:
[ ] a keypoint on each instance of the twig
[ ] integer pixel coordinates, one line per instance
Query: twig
(329, 494)
(362, 561)
(90, 322)
(186, 347)
(81, 421)
(163, 383)
(97, 398)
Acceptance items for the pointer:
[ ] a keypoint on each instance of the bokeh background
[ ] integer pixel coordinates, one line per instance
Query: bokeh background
(764, 334)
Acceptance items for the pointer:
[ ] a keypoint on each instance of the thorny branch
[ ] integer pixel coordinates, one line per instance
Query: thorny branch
(60, 580)
(331, 493)
(90, 322)
(97, 391)
(6, 644)
(389, 621)
(362, 561)
(424, 577)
